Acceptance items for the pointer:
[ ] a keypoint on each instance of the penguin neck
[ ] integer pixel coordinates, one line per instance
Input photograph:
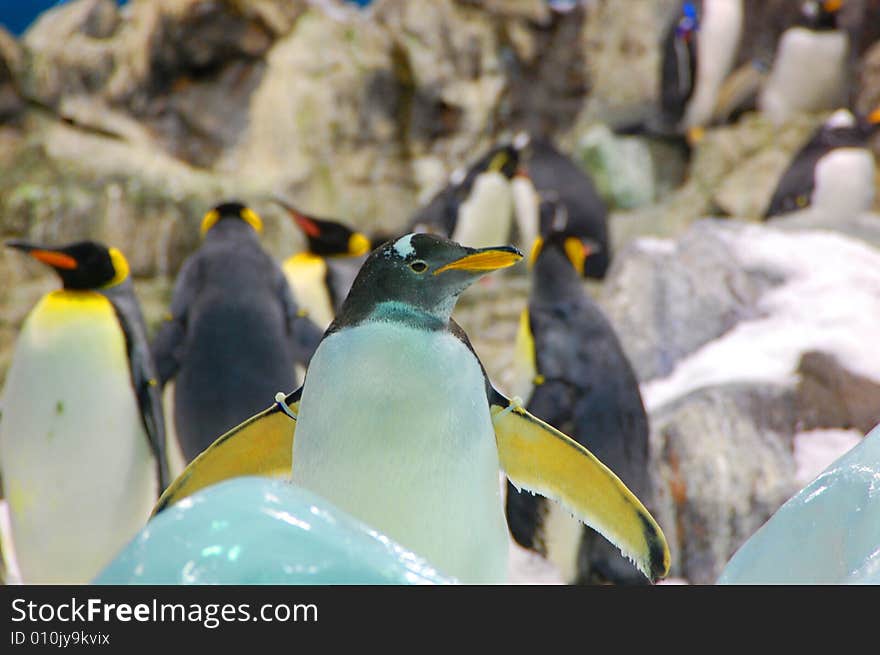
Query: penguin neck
(231, 228)
(405, 314)
(554, 279)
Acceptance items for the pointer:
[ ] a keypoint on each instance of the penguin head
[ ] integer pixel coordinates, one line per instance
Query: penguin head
(821, 14)
(81, 265)
(328, 238)
(231, 210)
(423, 273)
(688, 22)
(557, 234)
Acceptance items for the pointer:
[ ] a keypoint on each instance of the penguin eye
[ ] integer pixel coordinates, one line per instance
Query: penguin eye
(419, 266)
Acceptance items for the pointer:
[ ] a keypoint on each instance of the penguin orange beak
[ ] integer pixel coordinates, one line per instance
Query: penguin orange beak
(832, 6)
(45, 255)
(484, 260)
(874, 117)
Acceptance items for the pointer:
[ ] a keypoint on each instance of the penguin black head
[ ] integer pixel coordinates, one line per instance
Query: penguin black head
(557, 234)
(81, 265)
(328, 238)
(418, 276)
(688, 22)
(821, 14)
(503, 159)
(231, 209)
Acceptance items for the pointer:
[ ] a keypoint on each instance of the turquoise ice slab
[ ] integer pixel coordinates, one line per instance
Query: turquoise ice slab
(828, 533)
(262, 531)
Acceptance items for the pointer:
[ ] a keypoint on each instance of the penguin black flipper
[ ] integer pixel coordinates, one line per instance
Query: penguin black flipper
(262, 445)
(538, 457)
(169, 342)
(144, 379)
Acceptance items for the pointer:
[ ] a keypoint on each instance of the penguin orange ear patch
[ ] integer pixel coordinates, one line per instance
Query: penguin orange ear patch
(55, 259)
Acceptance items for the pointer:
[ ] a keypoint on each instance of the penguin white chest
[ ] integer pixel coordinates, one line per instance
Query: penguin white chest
(844, 183)
(485, 218)
(394, 428)
(716, 49)
(76, 465)
(807, 75)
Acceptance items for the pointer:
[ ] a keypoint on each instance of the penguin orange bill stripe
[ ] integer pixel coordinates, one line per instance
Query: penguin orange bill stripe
(55, 259)
(488, 259)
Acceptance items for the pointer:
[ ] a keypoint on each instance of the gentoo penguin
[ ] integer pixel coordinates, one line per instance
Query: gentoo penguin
(554, 175)
(809, 71)
(398, 425)
(575, 375)
(234, 332)
(699, 50)
(82, 439)
(321, 275)
(835, 171)
(477, 207)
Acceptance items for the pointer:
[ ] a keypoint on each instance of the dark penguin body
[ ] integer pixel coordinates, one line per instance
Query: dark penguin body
(234, 333)
(554, 175)
(82, 435)
(583, 383)
(837, 155)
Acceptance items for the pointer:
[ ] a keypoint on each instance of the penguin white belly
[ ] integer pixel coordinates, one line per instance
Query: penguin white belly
(808, 74)
(716, 48)
(485, 218)
(844, 183)
(525, 203)
(394, 428)
(306, 275)
(77, 469)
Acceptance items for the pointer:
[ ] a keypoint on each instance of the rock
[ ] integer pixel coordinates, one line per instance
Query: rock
(271, 532)
(826, 534)
(742, 339)
(829, 395)
(666, 299)
(622, 167)
(722, 464)
(11, 102)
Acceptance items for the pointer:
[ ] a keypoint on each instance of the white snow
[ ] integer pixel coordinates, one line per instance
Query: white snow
(829, 301)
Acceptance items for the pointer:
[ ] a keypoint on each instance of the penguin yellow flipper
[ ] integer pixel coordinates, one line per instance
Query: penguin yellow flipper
(540, 458)
(262, 445)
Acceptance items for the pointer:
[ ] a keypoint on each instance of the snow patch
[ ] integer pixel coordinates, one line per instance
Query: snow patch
(829, 301)
(816, 450)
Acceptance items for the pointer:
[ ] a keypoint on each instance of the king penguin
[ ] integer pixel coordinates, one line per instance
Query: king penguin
(477, 208)
(699, 49)
(321, 275)
(234, 332)
(82, 440)
(574, 374)
(398, 425)
(834, 173)
(809, 69)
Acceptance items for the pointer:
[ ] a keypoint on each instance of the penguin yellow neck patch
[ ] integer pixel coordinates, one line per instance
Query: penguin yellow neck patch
(248, 215)
(120, 268)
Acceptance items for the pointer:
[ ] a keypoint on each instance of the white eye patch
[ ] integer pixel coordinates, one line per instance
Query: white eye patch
(404, 247)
